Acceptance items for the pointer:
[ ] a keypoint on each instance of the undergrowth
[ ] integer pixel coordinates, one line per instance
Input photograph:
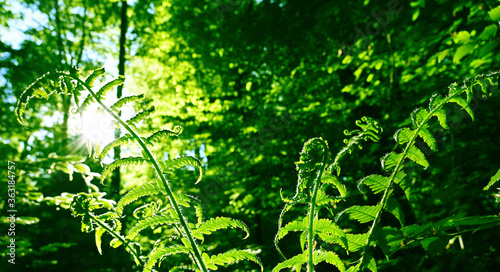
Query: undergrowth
(320, 239)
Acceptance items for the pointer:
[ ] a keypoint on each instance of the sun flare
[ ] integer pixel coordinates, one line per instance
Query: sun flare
(97, 126)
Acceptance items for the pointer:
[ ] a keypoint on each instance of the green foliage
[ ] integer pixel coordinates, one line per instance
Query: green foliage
(153, 215)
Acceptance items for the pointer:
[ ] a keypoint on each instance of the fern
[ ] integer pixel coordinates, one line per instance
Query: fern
(184, 161)
(87, 206)
(318, 168)
(123, 162)
(134, 194)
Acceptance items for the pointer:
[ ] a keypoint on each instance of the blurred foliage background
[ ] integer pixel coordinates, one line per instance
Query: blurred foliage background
(250, 81)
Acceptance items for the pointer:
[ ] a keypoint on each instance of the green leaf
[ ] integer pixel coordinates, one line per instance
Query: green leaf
(147, 189)
(94, 76)
(389, 239)
(416, 155)
(141, 116)
(376, 183)
(329, 257)
(122, 162)
(403, 135)
(493, 180)
(390, 160)
(495, 14)
(125, 100)
(463, 51)
(98, 234)
(329, 179)
(488, 32)
(183, 161)
(292, 226)
(363, 214)
(233, 256)
(218, 223)
(356, 241)
(463, 103)
(293, 262)
(152, 221)
(418, 116)
(393, 207)
(158, 253)
(441, 116)
(157, 136)
(428, 138)
(434, 244)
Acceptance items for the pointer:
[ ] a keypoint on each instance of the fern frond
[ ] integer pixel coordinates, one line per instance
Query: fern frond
(125, 100)
(183, 161)
(122, 162)
(43, 87)
(94, 76)
(428, 138)
(231, 257)
(151, 221)
(110, 85)
(140, 116)
(295, 262)
(376, 183)
(356, 241)
(123, 140)
(463, 103)
(159, 253)
(98, 234)
(392, 206)
(363, 214)
(292, 226)
(416, 155)
(390, 160)
(155, 137)
(134, 194)
(330, 179)
(218, 223)
(329, 257)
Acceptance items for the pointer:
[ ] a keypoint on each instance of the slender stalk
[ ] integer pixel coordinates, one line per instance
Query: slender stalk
(170, 194)
(312, 212)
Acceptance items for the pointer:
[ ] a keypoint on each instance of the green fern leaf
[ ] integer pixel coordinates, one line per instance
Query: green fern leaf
(41, 88)
(94, 76)
(98, 234)
(395, 209)
(125, 100)
(122, 162)
(402, 182)
(294, 262)
(356, 241)
(462, 103)
(329, 231)
(231, 257)
(493, 180)
(441, 116)
(428, 138)
(418, 116)
(199, 213)
(363, 214)
(329, 257)
(155, 137)
(159, 253)
(123, 140)
(151, 221)
(141, 116)
(218, 223)
(134, 194)
(329, 179)
(376, 183)
(390, 160)
(416, 155)
(435, 101)
(292, 226)
(183, 161)
(110, 85)
(403, 135)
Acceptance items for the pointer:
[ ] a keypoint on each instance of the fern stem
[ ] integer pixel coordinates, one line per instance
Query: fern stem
(170, 194)
(312, 212)
(388, 191)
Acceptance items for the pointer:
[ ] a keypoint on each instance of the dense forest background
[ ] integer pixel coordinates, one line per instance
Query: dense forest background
(249, 81)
